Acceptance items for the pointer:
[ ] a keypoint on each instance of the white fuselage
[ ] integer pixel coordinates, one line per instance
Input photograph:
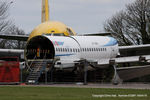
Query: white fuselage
(74, 48)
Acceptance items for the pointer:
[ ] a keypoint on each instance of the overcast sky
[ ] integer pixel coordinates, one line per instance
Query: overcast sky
(84, 16)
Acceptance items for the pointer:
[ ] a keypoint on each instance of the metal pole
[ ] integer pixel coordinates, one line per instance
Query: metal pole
(116, 79)
(45, 76)
(85, 72)
(52, 73)
(21, 75)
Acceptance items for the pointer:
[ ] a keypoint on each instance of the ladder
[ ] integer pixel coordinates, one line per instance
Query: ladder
(36, 71)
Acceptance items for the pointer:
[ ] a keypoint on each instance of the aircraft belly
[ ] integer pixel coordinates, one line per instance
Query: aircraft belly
(65, 65)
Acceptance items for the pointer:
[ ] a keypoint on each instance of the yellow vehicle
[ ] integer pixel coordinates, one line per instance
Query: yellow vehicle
(50, 27)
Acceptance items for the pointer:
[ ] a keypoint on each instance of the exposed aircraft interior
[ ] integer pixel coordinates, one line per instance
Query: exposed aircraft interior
(39, 48)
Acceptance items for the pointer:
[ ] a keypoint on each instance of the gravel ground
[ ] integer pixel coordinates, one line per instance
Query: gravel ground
(90, 85)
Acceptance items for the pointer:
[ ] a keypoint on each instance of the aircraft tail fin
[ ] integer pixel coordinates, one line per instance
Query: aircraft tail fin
(45, 11)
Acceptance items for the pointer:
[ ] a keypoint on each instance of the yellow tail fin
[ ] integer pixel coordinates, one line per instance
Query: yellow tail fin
(45, 11)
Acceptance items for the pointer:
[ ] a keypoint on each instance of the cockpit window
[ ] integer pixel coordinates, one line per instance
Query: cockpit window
(70, 31)
(54, 34)
(58, 34)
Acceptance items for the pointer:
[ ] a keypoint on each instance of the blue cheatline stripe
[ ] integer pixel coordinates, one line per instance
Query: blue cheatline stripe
(65, 55)
(112, 42)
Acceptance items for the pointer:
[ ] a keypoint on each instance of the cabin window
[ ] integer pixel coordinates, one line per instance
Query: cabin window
(78, 50)
(92, 49)
(56, 49)
(75, 50)
(87, 49)
(103, 49)
(67, 49)
(61, 49)
(83, 49)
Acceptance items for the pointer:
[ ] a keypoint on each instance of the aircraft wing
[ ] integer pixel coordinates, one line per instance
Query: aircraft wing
(134, 50)
(143, 58)
(121, 60)
(129, 52)
(12, 52)
(95, 34)
(134, 47)
(15, 37)
(127, 73)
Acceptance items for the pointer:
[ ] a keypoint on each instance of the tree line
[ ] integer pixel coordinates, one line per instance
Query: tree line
(8, 27)
(131, 26)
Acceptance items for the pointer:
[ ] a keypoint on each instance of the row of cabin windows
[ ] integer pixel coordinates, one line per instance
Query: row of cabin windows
(67, 50)
(94, 49)
(35, 51)
(78, 50)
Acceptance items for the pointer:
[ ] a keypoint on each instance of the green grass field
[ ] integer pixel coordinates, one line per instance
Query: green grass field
(56, 93)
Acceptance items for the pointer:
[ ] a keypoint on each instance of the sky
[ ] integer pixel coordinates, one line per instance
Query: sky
(84, 16)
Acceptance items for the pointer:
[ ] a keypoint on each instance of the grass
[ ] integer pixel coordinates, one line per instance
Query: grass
(56, 93)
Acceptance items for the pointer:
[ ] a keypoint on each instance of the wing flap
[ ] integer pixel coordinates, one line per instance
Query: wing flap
(95, 34)
(15, 37)
(121, 60)
(134, 50)
(127, 73)
(132, 59)
(12, 52)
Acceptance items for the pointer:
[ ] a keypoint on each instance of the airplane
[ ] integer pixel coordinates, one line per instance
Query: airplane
(70, 51)
(54, 40)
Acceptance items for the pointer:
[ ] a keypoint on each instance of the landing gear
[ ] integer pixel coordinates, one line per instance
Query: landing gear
(51, 69)
(85, 72)
(82, 68)
(116, 79)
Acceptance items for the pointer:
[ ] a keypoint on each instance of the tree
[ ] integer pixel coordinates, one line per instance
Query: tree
(131, 26)
(4, 22)
(6, 27)
(15, 44)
